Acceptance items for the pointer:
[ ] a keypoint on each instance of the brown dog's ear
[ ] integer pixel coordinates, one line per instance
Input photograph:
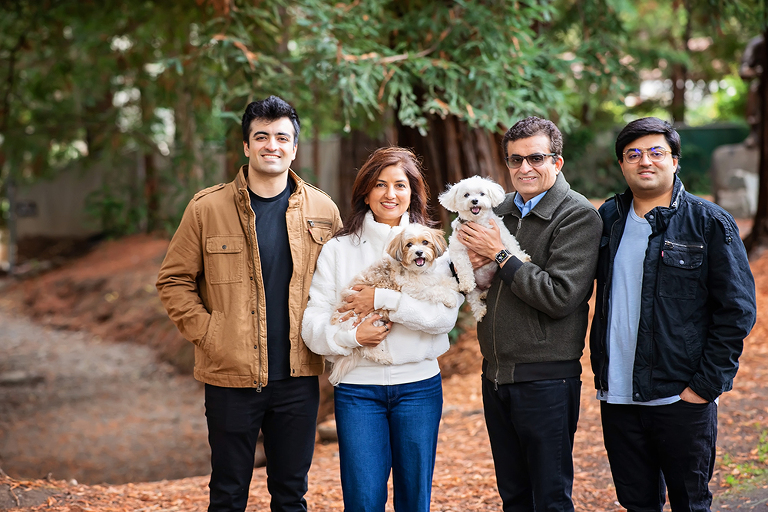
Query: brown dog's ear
(395, 247)
(438, 239)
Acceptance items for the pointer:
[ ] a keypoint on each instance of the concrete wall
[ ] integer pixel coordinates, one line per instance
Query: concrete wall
(60, 205)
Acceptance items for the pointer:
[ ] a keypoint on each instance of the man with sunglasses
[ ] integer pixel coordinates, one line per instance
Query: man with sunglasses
(675, 300)
(533, 335)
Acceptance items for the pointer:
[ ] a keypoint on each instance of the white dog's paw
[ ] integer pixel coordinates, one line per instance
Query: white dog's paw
(477, 304)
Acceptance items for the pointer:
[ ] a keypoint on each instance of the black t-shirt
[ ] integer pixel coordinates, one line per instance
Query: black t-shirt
(276, 270)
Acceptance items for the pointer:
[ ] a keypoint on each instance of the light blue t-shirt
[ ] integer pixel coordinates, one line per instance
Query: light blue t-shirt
(624, 312)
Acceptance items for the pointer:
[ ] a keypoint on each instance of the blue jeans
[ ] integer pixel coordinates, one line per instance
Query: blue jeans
(383, 428)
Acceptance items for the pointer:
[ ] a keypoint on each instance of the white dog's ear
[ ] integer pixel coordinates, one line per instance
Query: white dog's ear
(448, 198)
(438, 240)
(395, 247)
(496, 193)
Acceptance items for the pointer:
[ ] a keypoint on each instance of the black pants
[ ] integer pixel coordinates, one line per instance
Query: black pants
(654, 449)
(531, 427)
(286, 412)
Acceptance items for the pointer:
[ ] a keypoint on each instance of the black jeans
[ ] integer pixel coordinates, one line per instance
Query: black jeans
(286, 412)
(655, 449)
(531, 427)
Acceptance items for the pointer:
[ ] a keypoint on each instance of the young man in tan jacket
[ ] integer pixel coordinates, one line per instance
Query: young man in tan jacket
(235, 281)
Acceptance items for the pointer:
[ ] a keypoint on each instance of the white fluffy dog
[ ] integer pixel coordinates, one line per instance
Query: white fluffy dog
(474, 199)
(407, 267)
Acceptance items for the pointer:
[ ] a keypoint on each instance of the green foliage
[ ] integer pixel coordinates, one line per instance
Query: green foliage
(117, 213)
(487, 63)
(590, 163)
(742, 474)
(84, 82)
(694, 41)
(730, 102)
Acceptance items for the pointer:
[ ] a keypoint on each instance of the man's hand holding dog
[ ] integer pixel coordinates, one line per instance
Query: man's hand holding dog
(482, 243)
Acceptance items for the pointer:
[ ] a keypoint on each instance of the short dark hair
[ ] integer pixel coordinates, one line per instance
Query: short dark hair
(647, 126)
(531, 126)
(270, 109)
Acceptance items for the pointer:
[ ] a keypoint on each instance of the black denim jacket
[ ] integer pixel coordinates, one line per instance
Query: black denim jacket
(697, 299)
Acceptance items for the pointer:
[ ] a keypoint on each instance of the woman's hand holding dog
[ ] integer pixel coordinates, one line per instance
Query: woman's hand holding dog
(370, 334)
(360, 303)
(483, 243)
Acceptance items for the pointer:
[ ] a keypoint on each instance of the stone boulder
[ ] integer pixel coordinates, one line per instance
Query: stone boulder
(735, 179)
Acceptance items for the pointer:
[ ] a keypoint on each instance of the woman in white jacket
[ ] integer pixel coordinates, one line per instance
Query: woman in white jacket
(387, 416)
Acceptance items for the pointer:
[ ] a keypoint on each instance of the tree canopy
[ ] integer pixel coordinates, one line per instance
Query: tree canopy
(82, 82)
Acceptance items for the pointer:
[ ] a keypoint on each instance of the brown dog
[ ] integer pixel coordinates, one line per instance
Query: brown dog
(407, 268)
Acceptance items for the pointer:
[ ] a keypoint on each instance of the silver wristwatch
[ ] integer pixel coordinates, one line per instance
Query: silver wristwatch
(502, 256)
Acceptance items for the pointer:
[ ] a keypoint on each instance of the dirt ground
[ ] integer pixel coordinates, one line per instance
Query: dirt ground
(98, 411)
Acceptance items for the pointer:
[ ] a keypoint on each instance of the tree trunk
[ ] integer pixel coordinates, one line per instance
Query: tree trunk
(12, 234)
(355, 149)
(151, 193)
(151, 188)
(452, 151)
(679, 72)
(677, 108)
(316, 153)
(757, 241)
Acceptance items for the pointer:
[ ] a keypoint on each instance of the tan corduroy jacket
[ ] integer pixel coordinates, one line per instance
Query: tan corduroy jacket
(211, 284)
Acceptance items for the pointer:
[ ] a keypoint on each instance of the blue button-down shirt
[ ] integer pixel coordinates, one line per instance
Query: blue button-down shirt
(525, 208)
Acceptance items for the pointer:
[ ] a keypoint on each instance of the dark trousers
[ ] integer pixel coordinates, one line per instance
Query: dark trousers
(654, 449)
(286, 412)
(531, 427)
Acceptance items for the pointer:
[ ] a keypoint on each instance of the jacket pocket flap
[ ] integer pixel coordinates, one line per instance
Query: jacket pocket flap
(225, 244)
(682, 258)
(320, 230)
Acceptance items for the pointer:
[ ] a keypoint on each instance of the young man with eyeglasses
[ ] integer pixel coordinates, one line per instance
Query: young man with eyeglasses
(533, 335)
(675, 300)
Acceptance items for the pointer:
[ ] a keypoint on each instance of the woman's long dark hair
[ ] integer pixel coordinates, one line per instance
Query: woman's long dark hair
(367, 177)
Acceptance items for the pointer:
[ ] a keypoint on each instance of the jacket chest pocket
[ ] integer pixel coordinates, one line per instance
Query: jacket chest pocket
(224, 258)
(320, 230)
(680, 269)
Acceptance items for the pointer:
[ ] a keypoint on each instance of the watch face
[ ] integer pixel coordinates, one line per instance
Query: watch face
(501, 256)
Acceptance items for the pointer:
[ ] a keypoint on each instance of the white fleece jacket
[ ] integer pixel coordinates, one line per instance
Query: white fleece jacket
(420, 329)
